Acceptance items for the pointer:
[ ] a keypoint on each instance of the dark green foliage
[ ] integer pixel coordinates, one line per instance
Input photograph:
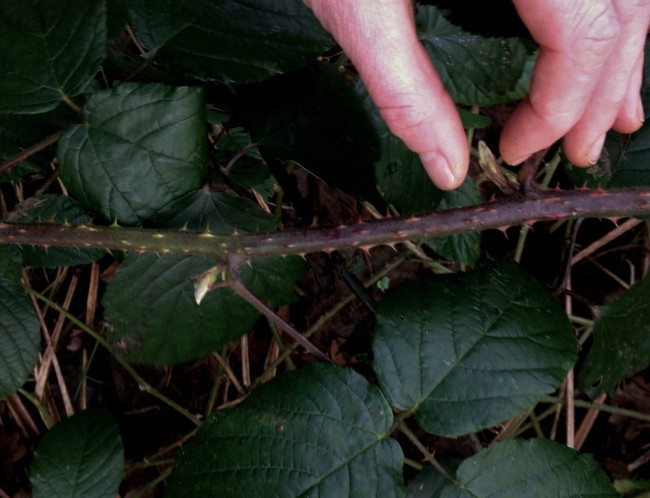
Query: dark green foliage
(186, 121)
(621, 340)
(530, 468)
(468, 351)
(231, 40)
(140, 149)
(49, 51)
(19, 337)
(321, 431)
(80, 457)
(314, 118)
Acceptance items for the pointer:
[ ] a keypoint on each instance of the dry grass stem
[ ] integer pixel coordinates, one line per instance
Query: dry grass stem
(587, 423)
(229, 373)
(606, 239)
(558, 412)
(272, 354)
(91, 299)
(245, 362)
(21, 416)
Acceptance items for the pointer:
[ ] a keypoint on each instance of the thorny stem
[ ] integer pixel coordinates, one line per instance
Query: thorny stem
(401, 425)
(242, 291)
(143, 384)
(549, 205)
(550, 171)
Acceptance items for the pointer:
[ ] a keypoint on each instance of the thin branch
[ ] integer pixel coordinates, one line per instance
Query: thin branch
(600, 407)
(242, 291)
(241, 153)
(29, 151)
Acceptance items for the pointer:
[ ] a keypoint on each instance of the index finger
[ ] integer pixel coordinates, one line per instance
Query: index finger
(379, 38)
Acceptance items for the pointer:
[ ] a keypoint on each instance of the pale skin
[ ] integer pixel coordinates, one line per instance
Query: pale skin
(586, 81)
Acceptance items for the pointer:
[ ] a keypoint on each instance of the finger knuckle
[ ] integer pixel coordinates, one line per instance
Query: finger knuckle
(634, 4)
(554, 114)
(403, 118)
(594, 34)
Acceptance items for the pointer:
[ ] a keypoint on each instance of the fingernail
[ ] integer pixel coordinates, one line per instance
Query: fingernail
(519, 160)
(439, 170)
(639, 110)
(596, 148)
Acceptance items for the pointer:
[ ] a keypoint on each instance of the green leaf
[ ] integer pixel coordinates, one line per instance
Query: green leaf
(538, 467)
(20, 340)
(621, 344)
(79, 457)
(468, 351)
(229, 40)
(218, 212)
(474, 70)
(627, 159)
(272, 279)
(401, 178)
(318, 431)
(11, 264)
(52, 208)
(117, 17)
(150, 307)
(314, 117)
(464, 248)
(472, 120)
(49, 51)
(143, 146)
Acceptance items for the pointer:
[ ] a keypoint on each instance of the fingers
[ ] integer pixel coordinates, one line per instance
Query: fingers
(631, 114)
(615, 100)
(576, 38)
(379, 37)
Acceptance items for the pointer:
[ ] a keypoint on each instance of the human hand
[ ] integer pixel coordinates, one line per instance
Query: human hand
(379, 38)
(586, 80)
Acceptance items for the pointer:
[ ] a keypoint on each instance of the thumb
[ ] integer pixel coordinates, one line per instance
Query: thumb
(379, 38)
